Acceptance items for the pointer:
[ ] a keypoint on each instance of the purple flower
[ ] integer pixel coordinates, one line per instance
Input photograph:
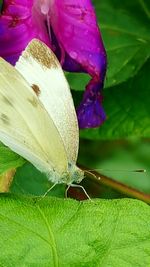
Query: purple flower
(70, 29)
(17, 27)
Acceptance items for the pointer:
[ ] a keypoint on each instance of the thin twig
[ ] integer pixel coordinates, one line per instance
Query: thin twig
(120, 187)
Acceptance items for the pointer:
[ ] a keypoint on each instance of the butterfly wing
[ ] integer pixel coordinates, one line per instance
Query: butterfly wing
(41, 69)
(25, 125)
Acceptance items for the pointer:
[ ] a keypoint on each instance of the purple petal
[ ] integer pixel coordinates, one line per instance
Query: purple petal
(90, 112)
(19, 25)
(75, 27)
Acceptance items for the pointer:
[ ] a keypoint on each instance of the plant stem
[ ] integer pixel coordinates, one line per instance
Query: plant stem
(120, 187)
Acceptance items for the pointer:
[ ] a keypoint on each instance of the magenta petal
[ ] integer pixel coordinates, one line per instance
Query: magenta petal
(75, 27)
(19, 25)
(77, 42)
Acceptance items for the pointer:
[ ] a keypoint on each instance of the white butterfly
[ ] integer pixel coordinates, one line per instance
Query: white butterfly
(37, 115)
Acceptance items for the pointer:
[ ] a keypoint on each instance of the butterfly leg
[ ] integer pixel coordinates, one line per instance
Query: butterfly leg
(79, 186)
(48, 190)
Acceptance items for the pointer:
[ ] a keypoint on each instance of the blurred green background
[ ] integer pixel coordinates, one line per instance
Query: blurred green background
(119, 160)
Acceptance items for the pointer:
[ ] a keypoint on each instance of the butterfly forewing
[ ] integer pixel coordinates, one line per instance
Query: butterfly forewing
(42, 70)
(25, 125)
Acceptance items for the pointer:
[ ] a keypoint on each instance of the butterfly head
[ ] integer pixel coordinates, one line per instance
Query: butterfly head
(74, 174)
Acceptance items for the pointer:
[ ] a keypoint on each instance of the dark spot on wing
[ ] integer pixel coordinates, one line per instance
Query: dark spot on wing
(5, 119)
(7, 101)
(36, 89)
(33, 101)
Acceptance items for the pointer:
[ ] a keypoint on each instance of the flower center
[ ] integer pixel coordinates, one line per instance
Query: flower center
(45, 6)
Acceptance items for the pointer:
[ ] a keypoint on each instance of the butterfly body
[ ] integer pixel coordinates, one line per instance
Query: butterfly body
(37, 115)
(74, 174)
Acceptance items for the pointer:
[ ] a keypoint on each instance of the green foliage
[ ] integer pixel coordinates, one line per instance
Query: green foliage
(126, 38)
(54, 232)
(127, 107)
(9, 159)
(125, 31)
(29, 181)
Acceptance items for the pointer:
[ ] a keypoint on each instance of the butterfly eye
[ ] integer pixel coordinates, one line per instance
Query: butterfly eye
(78, 175)
(69, 165)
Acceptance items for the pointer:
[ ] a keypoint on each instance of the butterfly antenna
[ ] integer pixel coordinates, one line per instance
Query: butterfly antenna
(137, 170)
(92, 174)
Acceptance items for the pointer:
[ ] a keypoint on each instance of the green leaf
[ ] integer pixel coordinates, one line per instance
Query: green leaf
(9, 159)
(29, 181)
(77, 81)
(127, 107)
(55, 232)
(126, 38)
(136, 8)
